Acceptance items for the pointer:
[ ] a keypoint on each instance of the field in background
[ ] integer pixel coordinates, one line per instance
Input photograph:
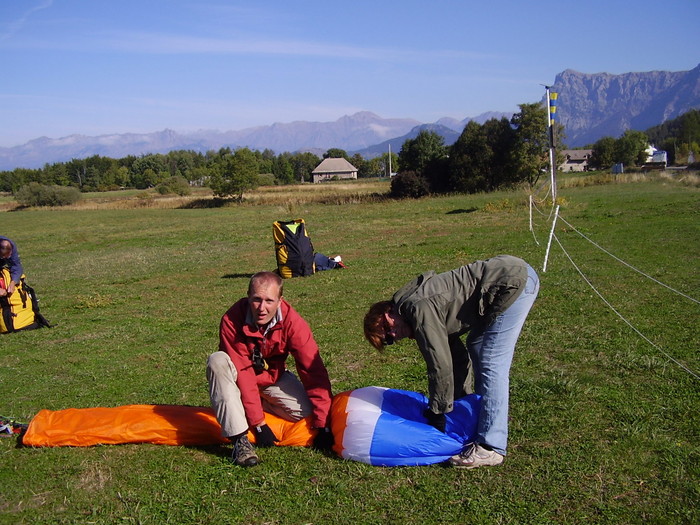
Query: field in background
(604, 425)
(337, 192)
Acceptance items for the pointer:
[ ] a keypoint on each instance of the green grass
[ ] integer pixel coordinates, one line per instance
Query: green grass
(604, 426)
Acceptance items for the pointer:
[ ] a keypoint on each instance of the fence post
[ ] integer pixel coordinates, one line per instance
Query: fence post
(549, 242)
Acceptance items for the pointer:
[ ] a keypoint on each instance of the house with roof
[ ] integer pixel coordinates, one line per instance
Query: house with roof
(575, 159)
(333, 169)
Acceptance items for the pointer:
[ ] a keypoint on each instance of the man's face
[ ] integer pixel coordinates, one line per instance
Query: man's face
(264, 299)
(5, 249)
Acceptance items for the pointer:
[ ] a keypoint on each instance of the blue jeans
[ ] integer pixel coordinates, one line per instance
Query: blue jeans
(491, 350)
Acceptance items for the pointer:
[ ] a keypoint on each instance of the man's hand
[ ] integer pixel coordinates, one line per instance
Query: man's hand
(324, 439)
(435, 420)
(264, 436)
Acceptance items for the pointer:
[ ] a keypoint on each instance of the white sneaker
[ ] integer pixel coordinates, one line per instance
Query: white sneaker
(476, 456)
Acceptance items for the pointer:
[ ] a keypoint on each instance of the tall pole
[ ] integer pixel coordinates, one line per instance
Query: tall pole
(551, 111)
(389, 160)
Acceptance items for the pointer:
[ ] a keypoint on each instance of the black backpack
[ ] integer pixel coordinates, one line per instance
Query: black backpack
(293, 249)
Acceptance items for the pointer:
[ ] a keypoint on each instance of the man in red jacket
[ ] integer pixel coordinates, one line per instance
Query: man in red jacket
(248, 374)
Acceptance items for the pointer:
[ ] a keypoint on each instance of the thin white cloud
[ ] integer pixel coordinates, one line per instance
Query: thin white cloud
(15, 26)
(175, 44)
(170, 44)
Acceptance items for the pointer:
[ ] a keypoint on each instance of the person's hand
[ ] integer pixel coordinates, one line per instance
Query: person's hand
(11, 289)
(324, 439)
(264, 436)
(3, 292)
(435, 420)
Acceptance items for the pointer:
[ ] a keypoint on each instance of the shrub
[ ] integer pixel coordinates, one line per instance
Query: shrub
(177, 184)
(266, 179)
(35, 194)
(408, 184)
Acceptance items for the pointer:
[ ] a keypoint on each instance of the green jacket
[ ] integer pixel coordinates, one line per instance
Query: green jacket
(442, 307)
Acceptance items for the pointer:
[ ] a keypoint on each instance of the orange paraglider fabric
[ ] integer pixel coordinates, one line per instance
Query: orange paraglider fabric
(158, 424)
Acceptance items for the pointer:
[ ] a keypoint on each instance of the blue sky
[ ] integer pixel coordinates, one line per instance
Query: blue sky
(97, 67)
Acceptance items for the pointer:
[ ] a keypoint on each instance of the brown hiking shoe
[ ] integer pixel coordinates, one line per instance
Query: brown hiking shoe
(244, 453)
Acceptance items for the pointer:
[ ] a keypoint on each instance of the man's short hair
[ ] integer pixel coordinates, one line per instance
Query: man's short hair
(265, 278)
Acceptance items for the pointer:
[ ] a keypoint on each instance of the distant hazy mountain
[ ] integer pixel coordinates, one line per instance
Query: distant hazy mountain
(349, 132)
(448, 128)
(591, 106)
(448, 134)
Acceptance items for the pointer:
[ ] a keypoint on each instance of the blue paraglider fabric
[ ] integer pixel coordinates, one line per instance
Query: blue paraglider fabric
(386, 427)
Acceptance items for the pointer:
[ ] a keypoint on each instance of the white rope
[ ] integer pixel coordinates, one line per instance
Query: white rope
(543, 199)
(621, 317)
(534, 237)
(626, 264)
(531, 228)
(545, 183)
(534, 203)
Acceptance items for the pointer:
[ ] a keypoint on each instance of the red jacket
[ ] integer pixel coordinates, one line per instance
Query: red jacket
(290, 336)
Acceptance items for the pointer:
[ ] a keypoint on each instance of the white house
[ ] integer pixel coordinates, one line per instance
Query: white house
(575, 159)
(334, 169)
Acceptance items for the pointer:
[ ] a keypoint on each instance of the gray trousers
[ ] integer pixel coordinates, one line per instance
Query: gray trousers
(286, 399)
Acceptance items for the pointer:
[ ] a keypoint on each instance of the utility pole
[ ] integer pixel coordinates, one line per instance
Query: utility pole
(389, 160)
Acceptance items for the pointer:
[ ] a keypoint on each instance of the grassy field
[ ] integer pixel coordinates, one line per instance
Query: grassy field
(604, 424)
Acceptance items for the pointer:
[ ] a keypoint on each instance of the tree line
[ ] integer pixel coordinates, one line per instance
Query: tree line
(225, 170)
(496, 154)
(485, 157)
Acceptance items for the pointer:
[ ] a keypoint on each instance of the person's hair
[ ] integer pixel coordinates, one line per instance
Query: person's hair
(263, 278)
(5, 245)
(374, 323)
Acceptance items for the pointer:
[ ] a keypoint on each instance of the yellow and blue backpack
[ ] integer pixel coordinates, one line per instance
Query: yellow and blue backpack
(19, 310)
(293, 248)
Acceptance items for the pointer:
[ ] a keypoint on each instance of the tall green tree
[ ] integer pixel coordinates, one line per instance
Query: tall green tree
(603, 153)
(303, 164)
(267, 161)
(502, 139)
(630, 148)
(470, 160)
(531, 145)
(481, 159)
(282, 169)
(379, 166)
(416, 153)
(361, 164)
(336, 153)
(239, 173)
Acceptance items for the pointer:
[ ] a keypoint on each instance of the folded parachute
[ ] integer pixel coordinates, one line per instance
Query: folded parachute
(386, 427)
(374, 425)
(158, 424)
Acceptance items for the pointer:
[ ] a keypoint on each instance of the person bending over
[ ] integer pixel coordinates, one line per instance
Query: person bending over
(489, 300)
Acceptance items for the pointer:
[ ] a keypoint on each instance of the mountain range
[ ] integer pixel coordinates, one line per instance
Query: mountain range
(590, 106)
